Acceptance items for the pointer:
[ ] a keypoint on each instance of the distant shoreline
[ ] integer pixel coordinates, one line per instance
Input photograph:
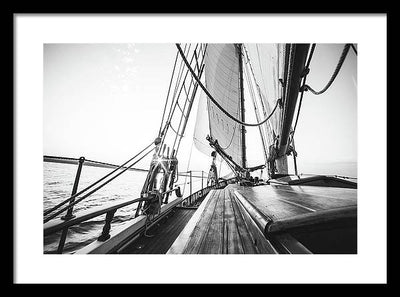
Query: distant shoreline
(74, 161)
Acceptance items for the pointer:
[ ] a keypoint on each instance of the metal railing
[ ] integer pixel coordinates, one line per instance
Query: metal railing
(53, 225)
(194, 199)
(53, 212)
(59, 224)
(109, 210)
(51, 215)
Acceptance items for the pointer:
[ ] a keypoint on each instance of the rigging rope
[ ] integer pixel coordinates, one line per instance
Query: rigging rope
(172, 128)
(231, 141)
(187, 168)
(183, 116)
(172, 108)
(95, 183)
(269, 130)
(169, 89)
(179, 87)
(253, 97)
(194, 92)
(354, 49)
(94, 190)
(215, 102)
(302, 87)
(335, 73)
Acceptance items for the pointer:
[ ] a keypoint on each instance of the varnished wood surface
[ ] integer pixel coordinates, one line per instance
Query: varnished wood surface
(316, 180)
(224, 227)
(228, 220)
(284, 201)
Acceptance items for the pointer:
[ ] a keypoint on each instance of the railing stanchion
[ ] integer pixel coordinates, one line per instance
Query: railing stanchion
(69, 214)
(190, 182)
(110, 212)
(107, 226)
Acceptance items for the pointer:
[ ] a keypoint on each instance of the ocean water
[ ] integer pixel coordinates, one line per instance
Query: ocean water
(348, 169)
(58, 180)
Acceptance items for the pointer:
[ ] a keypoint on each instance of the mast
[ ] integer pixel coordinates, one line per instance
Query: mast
(243, 130)
(294, 66)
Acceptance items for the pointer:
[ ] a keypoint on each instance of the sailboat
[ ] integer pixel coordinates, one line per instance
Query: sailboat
(262, 209)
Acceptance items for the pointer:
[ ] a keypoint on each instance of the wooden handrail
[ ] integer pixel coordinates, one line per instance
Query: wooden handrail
(340, 214)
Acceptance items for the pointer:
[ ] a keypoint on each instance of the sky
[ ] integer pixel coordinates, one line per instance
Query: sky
(105, 102)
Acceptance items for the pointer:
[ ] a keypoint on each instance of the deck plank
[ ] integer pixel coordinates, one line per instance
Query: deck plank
(246, 239)
(170, 229)
(165, 234)
(201, 228)
(224, 225)
(233, 243)
(213, 241)
(261, 244)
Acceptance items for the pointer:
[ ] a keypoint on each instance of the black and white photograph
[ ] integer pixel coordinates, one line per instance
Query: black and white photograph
(228, 150)
(263, 186)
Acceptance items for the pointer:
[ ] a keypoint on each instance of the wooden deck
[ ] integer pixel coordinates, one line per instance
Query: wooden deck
(316, 180)
(283, 201)
(221, 226)
(162, 234)
(234, 220)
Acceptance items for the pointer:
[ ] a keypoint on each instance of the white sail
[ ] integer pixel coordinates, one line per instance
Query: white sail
(222, 81)
(201, 129)
(267, 62)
